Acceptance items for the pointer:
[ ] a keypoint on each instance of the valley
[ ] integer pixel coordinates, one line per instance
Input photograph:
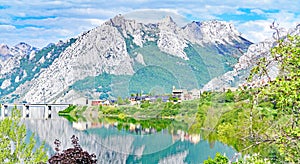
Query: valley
(159, 92)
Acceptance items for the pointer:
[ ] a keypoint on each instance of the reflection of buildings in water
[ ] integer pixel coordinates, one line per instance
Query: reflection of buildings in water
(96, 125)
(114, 148)
(90, 125)
(195, 138)
(81, 125)
(184, 136)
(133, 128)
(138, 129)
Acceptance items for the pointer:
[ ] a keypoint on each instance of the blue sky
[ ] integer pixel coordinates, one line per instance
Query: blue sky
(39, 22)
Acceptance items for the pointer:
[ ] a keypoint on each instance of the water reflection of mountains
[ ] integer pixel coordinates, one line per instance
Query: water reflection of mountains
(137, 129)
(113, 144)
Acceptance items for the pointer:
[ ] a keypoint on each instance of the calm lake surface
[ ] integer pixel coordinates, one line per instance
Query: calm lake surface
(134, 144)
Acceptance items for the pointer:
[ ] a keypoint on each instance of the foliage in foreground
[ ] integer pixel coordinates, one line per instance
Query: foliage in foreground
(72, 155)
(13, 147)
(284, 93)
(268, 120)
(252, 159)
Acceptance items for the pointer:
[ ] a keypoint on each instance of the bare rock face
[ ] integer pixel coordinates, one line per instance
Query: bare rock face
(105, 49)
(170, 40)
(219, 31)
(246, 62)
(102, 49)
(10, 58)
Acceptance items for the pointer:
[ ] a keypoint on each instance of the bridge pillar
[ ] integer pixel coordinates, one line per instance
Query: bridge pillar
(2, 111)
(5, 109)
(27, 111)
(48, 109)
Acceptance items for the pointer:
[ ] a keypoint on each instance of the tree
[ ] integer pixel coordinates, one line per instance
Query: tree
(13, 147)
(250, 159)
(218, 159)
(229, 96)
(120, 101)
(145, 104)
(272, 111)
(284, 92)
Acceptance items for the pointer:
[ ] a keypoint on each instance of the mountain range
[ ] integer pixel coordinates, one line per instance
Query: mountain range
(120, 57)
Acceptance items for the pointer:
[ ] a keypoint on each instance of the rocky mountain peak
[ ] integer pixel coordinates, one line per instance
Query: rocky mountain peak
(193, 31)
(168, 22)
(4, 50)
(193, 25)
(11, 56)
(23, 45)
(118, 20)
(20, 49)
(218, 31)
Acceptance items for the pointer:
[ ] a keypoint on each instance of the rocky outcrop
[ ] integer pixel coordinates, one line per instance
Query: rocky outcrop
(246, 62)
(10, 57)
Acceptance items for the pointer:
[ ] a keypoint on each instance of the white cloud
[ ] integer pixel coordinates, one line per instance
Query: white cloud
(52, 20)
(259, 30)
(257, 11)
(154, 16)
(285, 19)
(96, 22)
(255, 31)
(7, 28)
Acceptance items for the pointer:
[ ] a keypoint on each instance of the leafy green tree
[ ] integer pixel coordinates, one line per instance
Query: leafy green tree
(271, 116)
(217, 160)
(127, 101)
(120, 101)
(250, 159)
(145, 104)
(284, 92)
(13, 147)
(229, 96)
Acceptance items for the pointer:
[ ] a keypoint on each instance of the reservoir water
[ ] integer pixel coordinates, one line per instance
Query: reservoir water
(129, 143)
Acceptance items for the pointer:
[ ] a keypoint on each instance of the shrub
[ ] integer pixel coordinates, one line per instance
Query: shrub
(72, 155)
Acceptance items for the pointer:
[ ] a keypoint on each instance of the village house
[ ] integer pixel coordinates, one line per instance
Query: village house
(100, 102)
(194, 94)
(181, 94)
(184, 94)
(81, 125)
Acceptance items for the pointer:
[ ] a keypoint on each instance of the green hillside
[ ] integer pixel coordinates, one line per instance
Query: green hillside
(162, 71)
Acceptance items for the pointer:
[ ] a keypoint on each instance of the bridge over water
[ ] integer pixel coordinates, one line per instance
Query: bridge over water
(33, 111)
